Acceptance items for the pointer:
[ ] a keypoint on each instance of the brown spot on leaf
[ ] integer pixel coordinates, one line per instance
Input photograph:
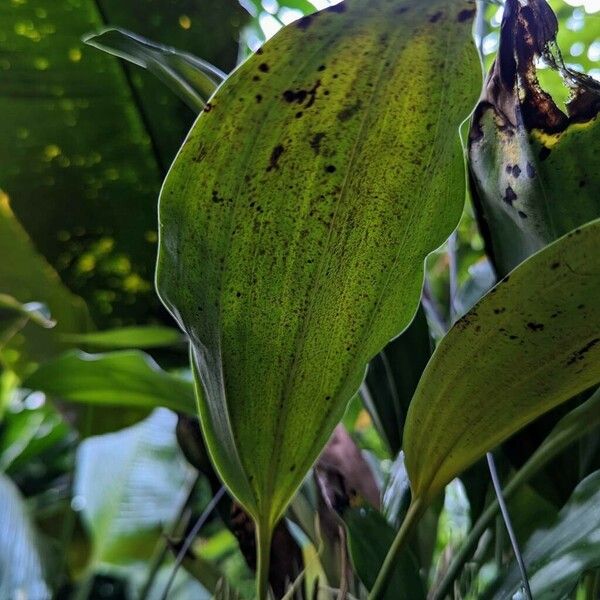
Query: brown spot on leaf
(300, 96)
(535, 326)
(264, 67)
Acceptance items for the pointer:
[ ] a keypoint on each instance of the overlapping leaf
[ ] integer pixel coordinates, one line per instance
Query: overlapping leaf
(530, 344)
(296, 218)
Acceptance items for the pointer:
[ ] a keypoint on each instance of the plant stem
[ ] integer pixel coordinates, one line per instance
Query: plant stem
(508, 524)
(387, 569)
(263, 555)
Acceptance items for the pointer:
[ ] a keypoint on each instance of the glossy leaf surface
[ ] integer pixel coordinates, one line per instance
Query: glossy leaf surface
(531, 343)
(557, 555)
(304, 202)
(191, 78)
(127, 378)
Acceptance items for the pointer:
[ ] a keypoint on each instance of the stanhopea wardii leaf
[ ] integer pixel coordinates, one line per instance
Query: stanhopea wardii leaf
(194, 80)
(296, 218)
(533, 167)
(530, 344)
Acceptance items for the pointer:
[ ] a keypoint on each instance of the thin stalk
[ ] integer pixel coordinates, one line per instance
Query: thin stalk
(508, 524)
(383, 578)
(190, 539)
(263, 562)
(572, 429)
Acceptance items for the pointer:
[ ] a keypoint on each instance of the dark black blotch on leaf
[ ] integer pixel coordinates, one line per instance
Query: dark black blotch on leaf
(522, 214)
(436, 17)
(330, 168)
(580, 354)
(535, 326)
(509, 196)
(349, 111)
(275, 155)
(530, 170)
(304, 23)
(315, 142)
(465, 15)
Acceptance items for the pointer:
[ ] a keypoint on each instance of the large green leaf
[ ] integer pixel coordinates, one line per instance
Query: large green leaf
(558, 555)
(21, 569)
(127, 379)
(85, 142)
(530, 344)
(128, 486)
(533, 167)
(296, 218)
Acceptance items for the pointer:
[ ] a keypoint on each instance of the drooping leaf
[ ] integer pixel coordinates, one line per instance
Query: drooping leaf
(192, 79)
(296, 218)
(126, 379)
(28, 278)
(369, 539)
(149, 336)
(128, 486)
(530, 344)
(533, 167)
(21, 568)
(392, 378)
(557, 555)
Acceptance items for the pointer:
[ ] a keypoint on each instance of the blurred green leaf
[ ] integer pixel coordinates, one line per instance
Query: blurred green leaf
(557, 555)
(126, 378)
(369, 539)
(301, 206)
(192, 79)
(149, 336)
(392, 379)
(34, 311)
(128, 486)
(527, 346)
(25, 277)
(21, 569)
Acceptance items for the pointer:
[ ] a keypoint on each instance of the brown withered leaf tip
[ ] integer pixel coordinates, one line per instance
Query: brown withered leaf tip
(527, 33)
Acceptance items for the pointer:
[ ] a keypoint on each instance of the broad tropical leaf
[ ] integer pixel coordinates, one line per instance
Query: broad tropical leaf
(296, 218)
(533, 167)
(129, 485)
(557, 555)
(21, 568)
(127, 379)
(530, 344)
(85, 144)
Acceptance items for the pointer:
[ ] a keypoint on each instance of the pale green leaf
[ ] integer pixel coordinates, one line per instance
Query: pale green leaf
(149, 336)
(531, 343)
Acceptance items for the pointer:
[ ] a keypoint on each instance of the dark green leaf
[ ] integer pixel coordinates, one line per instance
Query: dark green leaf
(530, 344)
(125, 379)
(369, 539)
(191, 78)
(392, 379)
(558, 555)
(296, 218)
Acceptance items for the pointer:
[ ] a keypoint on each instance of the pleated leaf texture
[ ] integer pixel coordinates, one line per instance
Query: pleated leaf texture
(296, 218)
